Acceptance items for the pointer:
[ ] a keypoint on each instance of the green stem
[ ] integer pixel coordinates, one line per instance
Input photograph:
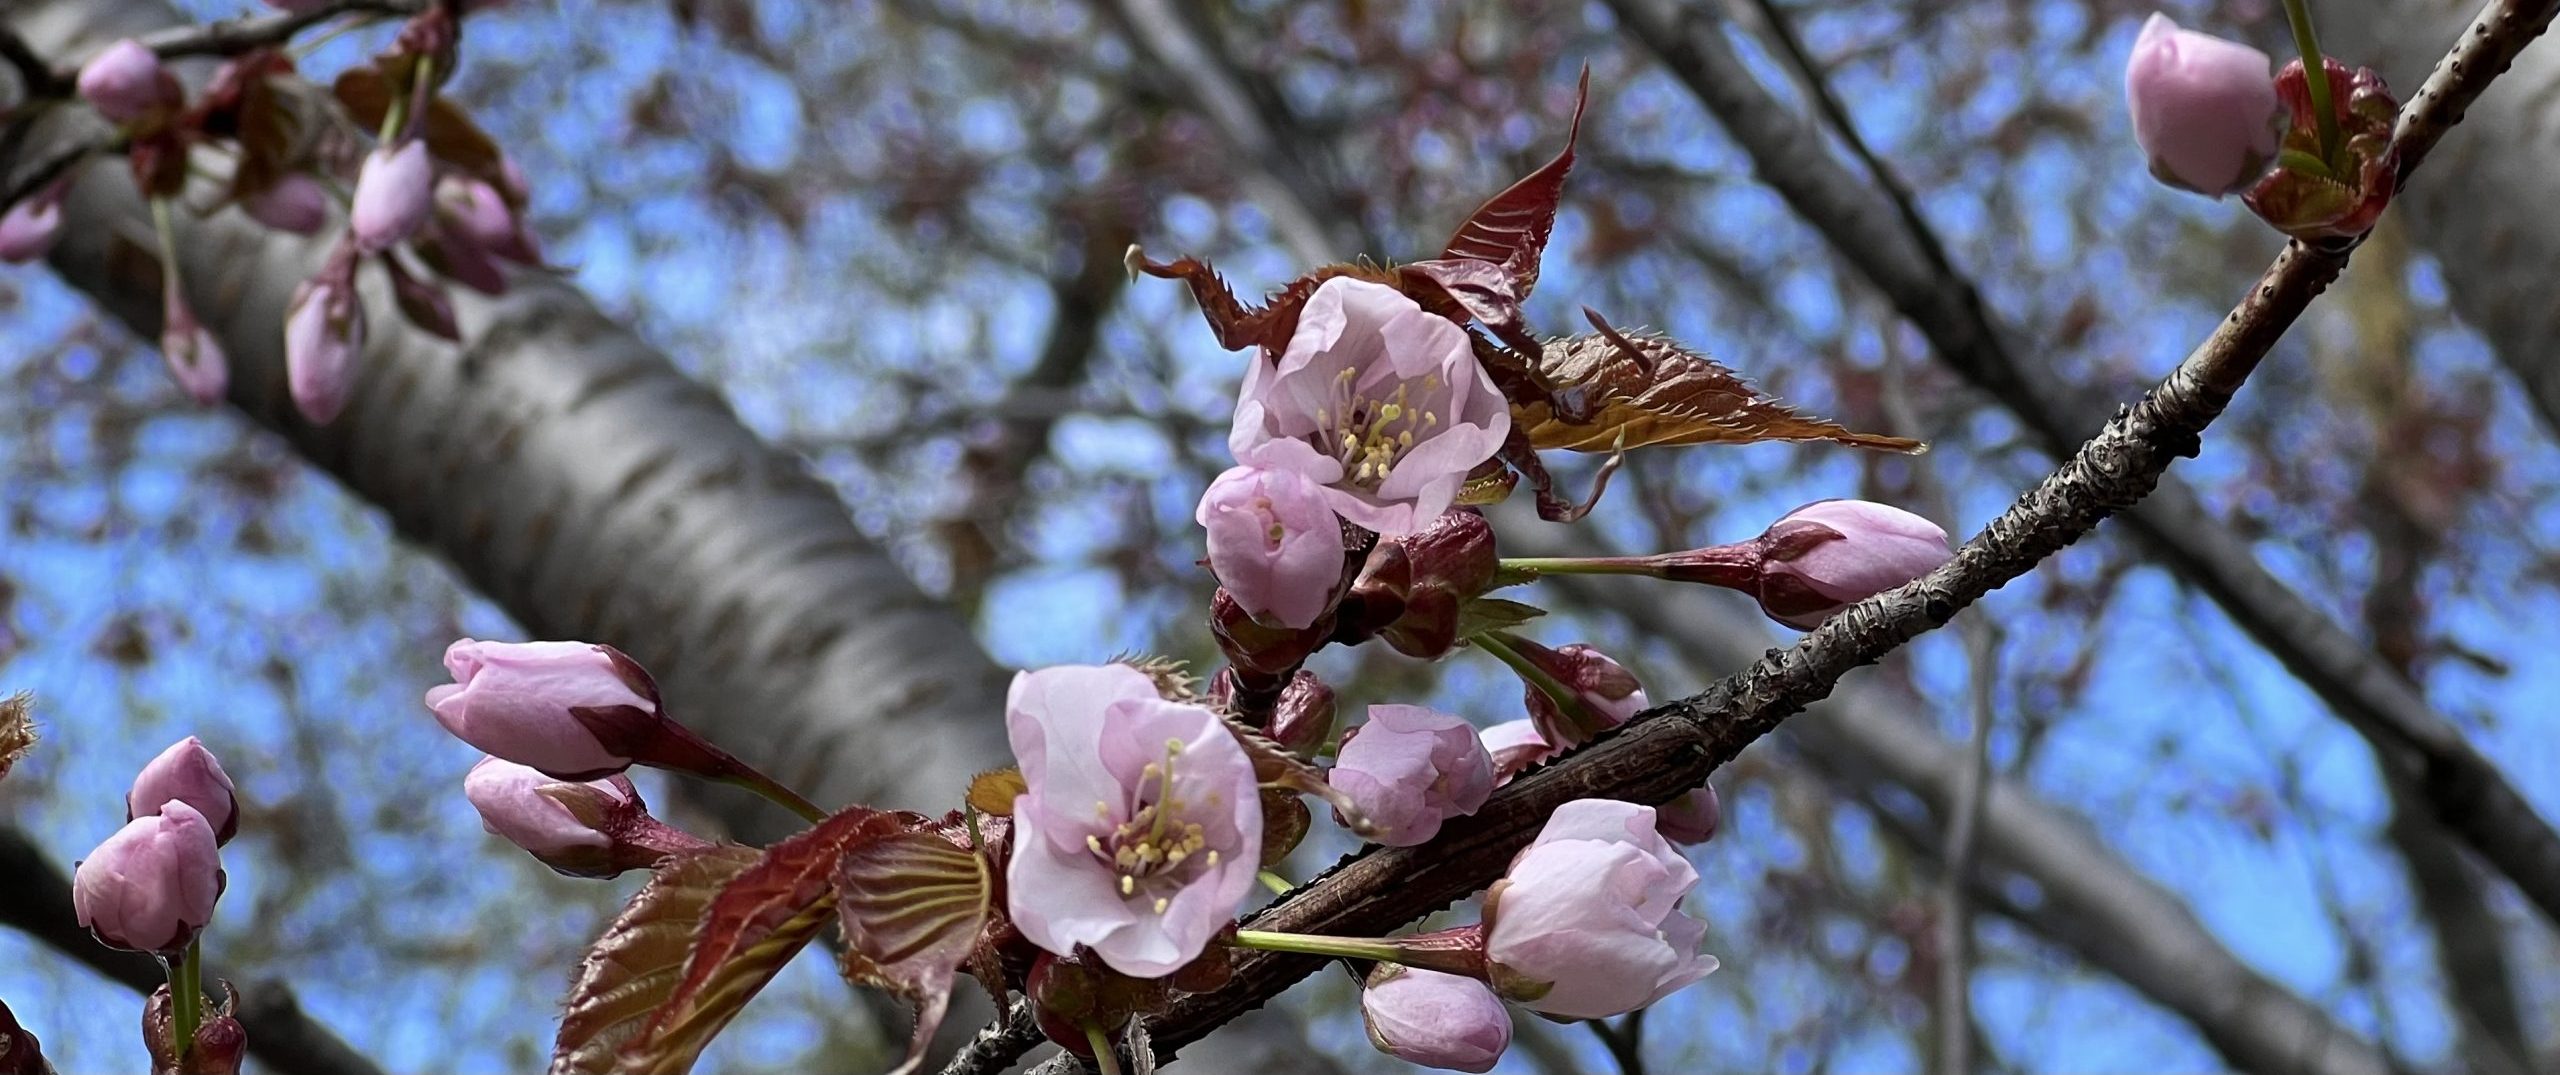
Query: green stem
(2315, 74)
(168, 233)
(1278, 885)
(186, 995)
(1309, 945)
(1577, 565)
(1567, 700)
(1103, 1055)
(781, 796)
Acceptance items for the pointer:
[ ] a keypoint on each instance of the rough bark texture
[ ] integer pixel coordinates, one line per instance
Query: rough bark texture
(2463, 790)
(2477, 214)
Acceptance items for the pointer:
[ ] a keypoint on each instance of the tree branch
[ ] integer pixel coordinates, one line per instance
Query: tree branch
(37, 901)
(2461, 788)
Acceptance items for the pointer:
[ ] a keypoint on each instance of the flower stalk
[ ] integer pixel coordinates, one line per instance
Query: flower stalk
(2315, 70)
(186, 994)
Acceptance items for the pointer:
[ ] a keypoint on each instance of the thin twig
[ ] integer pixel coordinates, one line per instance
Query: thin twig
(38, 77)
(230, 37)
(1624, 1041)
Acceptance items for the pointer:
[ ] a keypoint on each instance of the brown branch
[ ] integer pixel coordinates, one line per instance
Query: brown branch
(231, 37)
(37, 901)
(2410, 739)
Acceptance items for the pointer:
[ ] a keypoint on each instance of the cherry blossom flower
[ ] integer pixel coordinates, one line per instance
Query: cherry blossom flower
(394, 194)
(512, 700)
(1409, 769)
(1273, 543)
(125, 82)
(1141, 830)
(187, 773)
(1380, 403)
(151, 886)
(1809, 574)
(1587, 922)
(2204, 109)
(1433, 1019)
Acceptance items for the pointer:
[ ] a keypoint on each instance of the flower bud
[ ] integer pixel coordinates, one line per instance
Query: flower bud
(473, 211)
(2363, 177)
(30, 227)
(394, 192)
(1830, 554)
(513, 700)
(598, 828)
(1433, 1019)
(20, 1052)
(294, 203)
(1378, 592)
(220, 1044)
(1409, 769)
(1608, 693)
(1586, 924)
(2204, 109)
(195, 358)
(151, 886)
(324, 329)
(1304, 718)
(125, 82)
(1266, 651)
(187, 773)
(1068, 994)
(1690, 819)
(1453, 560)
(1273, 543)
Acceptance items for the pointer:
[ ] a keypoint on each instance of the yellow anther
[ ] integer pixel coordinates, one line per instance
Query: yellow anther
(1128, 884)
(1094, 843)
(1162, 903)
(1213, 856)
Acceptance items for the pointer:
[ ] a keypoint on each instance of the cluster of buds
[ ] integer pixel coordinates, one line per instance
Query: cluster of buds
(152, 886)
(2309, 152)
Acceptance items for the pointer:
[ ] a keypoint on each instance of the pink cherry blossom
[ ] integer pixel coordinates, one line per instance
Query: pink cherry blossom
(1380, 403)
(512, 806)
(324, 329)
(187, 773)
(194, 357)
(296, 203)
(1808, 577)
(394, 193)
(1141, 830)
(30, 227)
(512, 700)
(1409, 769)
(1587, 922)
(2204, 109)
(125, 82)
(1273, 543)
(474, 212)
(1433, 1019)
(151, 886)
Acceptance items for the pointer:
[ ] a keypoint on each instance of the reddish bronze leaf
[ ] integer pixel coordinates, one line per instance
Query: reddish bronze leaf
(1618, 390)
(634, 966)
(1511, 229)
(911, 905)
(758, 921)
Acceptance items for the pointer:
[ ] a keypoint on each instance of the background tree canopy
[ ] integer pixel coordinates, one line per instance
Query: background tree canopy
(887, 236)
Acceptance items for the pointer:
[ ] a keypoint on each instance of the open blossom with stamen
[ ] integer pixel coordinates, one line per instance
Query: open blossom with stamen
(1380, 403)
(1141, 829)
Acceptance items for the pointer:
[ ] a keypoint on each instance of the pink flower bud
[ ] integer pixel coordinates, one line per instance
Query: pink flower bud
(1809, 575)
(394, 192)
(1453, 560)
(512, 805)
(1587, 923)
(1606, 690)
(151, 886)
(30, 227)
(1690, 819)
(125, 82)
(1273, 543)
(324, 330)
(1304, 718)
(1409, 769)
(195, 358)
(296, 203)
(2204, 109)
(474, 212)
(513, 700)
(20, 1052)
(187, 773)
(1433, 1019)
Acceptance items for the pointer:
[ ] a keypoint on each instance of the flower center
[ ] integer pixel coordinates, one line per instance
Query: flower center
(1367, 435)
(1148, 849)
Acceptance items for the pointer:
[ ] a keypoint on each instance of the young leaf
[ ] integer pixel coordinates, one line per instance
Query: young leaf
(756, 923)
(634, 966)
(1482, 614)
(1643, 389)
(1511, 229)
(911, 905)
(992, 792)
